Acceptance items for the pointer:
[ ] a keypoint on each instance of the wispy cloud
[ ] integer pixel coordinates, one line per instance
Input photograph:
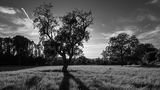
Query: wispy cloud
(22, 25)
(103, 25)
(146, 16)
(151, 37)
(149, 34)
(153, 2)
(109, 35)
(3, 25)
(27, 29)
(90, 29)
(8, 10)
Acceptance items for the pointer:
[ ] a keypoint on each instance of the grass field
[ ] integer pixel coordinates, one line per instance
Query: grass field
(81, 78)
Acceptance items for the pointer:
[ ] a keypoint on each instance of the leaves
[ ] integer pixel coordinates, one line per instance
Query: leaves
(121, 46)
(68, 32)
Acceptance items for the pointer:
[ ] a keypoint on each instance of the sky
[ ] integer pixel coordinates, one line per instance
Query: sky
(111, 17)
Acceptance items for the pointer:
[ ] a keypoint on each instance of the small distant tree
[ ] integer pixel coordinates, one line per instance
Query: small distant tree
(121, 46)
(1, 46)
(158, 56)
(67, 34)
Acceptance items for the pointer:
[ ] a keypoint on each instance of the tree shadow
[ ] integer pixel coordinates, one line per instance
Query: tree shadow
(65, 82)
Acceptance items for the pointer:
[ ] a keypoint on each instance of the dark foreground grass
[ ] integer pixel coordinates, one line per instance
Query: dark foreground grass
(82, 78)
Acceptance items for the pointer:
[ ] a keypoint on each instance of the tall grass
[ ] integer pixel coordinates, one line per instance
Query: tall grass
(90, 77)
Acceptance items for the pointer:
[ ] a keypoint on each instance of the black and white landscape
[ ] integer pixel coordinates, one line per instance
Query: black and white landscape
(79, 45)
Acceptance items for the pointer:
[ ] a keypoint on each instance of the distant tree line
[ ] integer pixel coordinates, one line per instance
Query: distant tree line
(81, 60)
(125, 49)
(121, 50)
(20, 51)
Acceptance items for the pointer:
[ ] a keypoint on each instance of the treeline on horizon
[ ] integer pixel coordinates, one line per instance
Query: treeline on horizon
(19, 50)
(122, 50)
(127, 49)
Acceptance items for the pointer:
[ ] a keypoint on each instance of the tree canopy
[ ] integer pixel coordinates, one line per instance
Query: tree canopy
(120, 46)
(65, 34)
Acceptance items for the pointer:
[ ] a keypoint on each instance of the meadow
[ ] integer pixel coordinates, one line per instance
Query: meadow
(81, 78)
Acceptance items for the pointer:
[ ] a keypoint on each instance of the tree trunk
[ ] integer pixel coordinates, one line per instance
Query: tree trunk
(64, 69)
(65, 64)
(122, 60)
(122, 63)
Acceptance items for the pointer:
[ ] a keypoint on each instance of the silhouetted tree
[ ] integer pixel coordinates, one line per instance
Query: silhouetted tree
(158, 56)
(21, 46)
(142, 52)
(150, 58)
(1, 46)
(20, 51)
(121, 46)
(71, 32)
(8, 44)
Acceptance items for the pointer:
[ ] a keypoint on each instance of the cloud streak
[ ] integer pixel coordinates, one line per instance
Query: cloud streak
(26, 14)
(153, 1)
(21, 26)
(151, 37)
(109, 35)
(8, 10)
(149, 34)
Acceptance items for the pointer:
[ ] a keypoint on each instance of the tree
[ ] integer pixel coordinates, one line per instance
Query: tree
(21, 46)
(158, 56)
(1, 46)
(66, 34)
(8, 45)
(150, 58)
(121, 46)
(142, 52)
(149, 53)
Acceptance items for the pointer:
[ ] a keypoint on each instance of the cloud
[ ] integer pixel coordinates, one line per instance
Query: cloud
(149, 34)
(109, 35)
(103, 25)
(90, 29)
(21, 25)
(27, 29)
(8, 10)
(153, 2)
(3, 25)
(151, 37)
(93, 50)
(146, 16)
